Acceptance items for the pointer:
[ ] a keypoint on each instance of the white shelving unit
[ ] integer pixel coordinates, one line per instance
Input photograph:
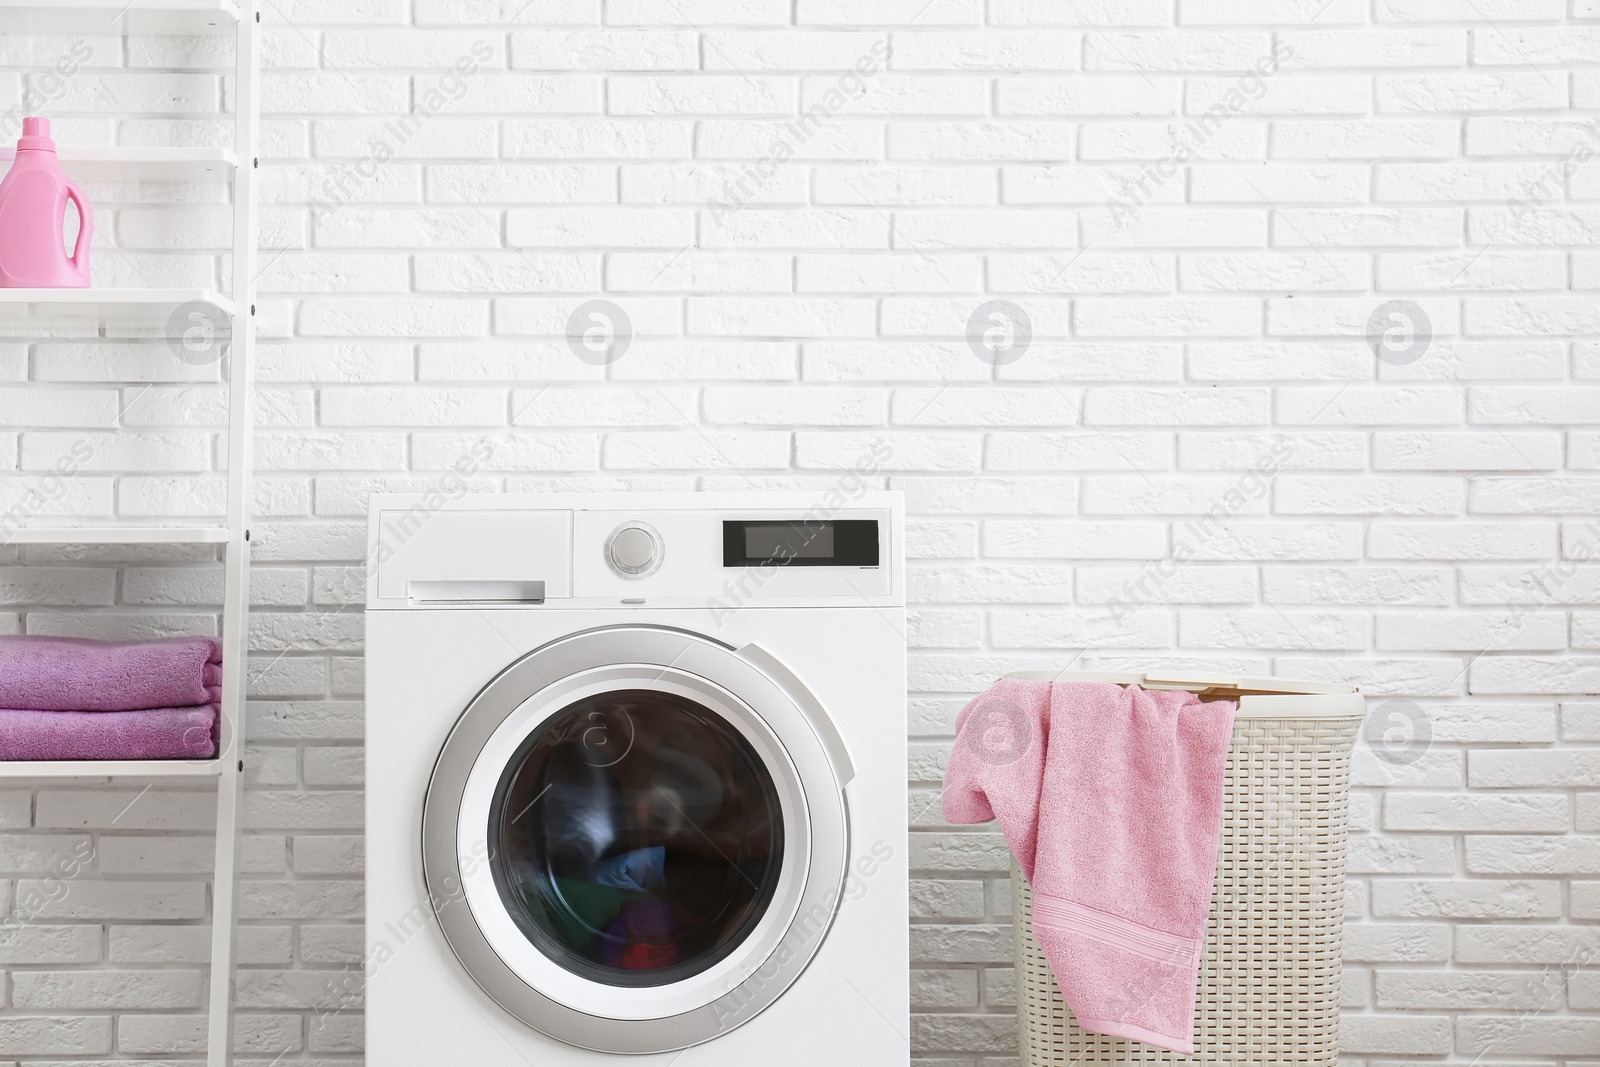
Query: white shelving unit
(142, 164)
(128, 768)
(119, 535)
(59, 309)
(66, 308)
(107, 18)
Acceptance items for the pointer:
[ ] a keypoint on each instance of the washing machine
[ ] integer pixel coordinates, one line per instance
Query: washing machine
(636, 780)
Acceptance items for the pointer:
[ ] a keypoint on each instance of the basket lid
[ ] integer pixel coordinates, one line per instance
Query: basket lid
(1259, 698)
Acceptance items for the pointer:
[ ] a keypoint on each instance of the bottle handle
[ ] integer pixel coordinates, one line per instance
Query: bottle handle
(80, 247)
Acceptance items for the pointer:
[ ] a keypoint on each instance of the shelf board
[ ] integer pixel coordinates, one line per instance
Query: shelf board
(105, 307)
(86, 768)
(117, 535)
(160, 18)
(141, 164)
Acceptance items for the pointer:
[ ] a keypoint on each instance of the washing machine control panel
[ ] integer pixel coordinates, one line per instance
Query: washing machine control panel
(654, 556)
(758, 553)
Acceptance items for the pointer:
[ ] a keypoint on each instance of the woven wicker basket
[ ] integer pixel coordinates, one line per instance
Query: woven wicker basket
(1269, 979)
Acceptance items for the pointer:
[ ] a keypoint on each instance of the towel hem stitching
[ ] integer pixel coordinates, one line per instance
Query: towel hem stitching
(1102, 926)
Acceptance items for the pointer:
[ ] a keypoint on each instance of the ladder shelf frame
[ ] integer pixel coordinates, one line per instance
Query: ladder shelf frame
(241, 163)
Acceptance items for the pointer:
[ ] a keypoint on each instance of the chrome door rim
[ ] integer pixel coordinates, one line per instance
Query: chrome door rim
(781, 945)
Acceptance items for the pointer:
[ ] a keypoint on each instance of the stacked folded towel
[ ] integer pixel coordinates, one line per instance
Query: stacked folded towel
(64, 698)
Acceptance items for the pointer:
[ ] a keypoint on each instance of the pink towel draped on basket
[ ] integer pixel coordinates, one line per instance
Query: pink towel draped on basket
(1111, 800)
(74, 674)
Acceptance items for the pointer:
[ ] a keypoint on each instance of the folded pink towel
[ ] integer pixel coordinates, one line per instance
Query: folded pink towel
(156, 733)
(1111, 800)
(73, 674)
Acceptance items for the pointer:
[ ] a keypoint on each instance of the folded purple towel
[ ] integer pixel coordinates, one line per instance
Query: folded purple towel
(73, 674)
(155, 733)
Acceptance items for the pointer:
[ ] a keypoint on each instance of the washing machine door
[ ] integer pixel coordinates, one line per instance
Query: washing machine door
(635, 837)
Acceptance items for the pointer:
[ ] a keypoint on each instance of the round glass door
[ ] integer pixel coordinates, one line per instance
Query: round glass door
(637, 837)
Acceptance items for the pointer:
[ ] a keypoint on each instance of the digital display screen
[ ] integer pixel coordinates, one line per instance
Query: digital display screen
(800, 543)
(772, 540)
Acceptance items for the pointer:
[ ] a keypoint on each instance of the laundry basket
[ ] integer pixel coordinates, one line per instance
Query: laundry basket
(1269, 978)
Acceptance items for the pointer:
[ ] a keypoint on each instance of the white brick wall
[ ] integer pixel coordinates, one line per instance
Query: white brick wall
(1199, 288)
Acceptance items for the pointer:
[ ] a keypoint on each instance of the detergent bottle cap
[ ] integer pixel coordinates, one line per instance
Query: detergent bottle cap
(36, 136)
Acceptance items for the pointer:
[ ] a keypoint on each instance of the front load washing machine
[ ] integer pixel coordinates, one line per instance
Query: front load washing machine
(636, 780)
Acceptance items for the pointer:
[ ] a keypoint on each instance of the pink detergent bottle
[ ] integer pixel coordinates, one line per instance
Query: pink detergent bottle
(33, 214)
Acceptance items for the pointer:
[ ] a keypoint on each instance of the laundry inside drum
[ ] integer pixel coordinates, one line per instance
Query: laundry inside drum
(637, 838)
